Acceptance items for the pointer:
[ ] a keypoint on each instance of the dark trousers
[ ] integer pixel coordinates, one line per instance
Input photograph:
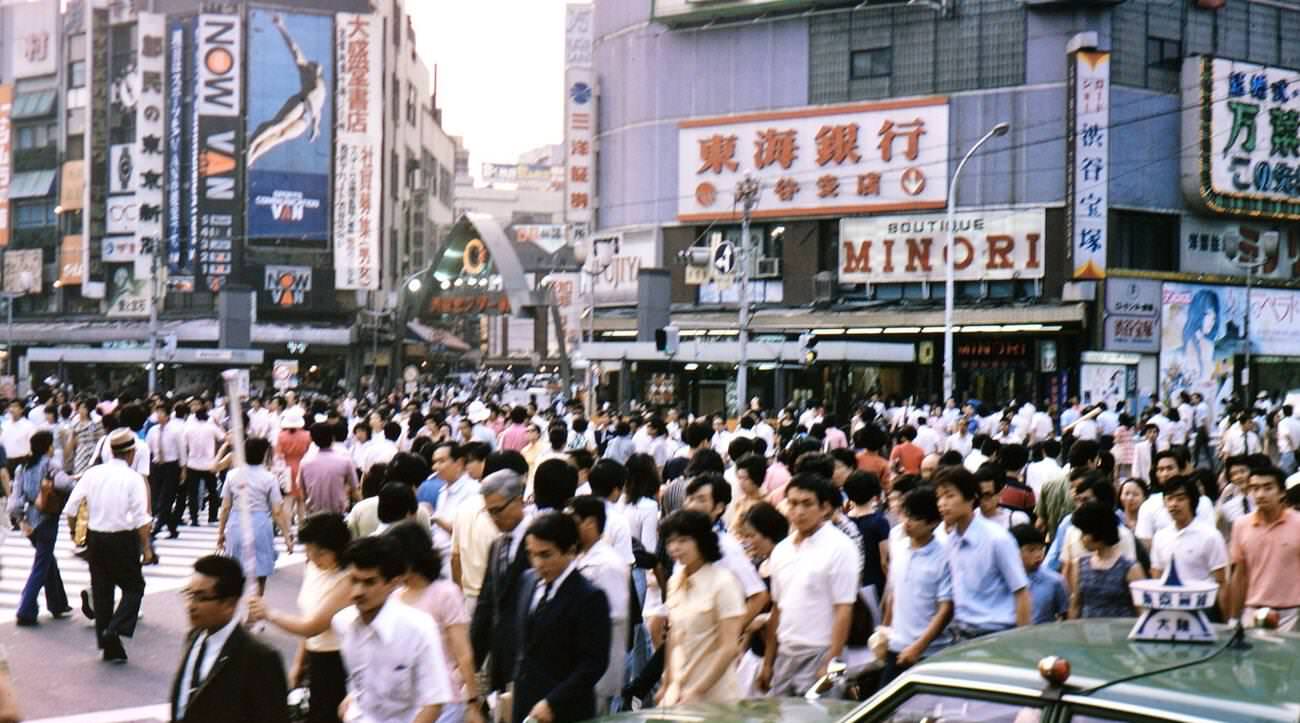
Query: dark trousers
(115, 563)
(165, 479)
(328, 684)
(196, 482)
(44, 574)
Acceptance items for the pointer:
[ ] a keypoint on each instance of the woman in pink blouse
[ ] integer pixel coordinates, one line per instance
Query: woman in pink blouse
(441, 598)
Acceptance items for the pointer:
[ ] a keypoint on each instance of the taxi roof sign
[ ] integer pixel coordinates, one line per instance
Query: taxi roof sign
(1174, 611)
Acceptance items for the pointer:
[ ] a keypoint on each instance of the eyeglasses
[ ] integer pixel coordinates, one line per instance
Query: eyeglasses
(494, 511)
(197, 596)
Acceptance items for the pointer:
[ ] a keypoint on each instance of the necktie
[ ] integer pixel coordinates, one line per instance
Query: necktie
(196, 676)
(546, 596)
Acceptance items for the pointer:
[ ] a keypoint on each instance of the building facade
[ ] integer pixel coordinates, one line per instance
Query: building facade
(169, 152)
(1086, 238)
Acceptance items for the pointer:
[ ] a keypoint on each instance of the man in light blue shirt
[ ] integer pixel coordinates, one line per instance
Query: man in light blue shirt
(918, 606)
(989, 585)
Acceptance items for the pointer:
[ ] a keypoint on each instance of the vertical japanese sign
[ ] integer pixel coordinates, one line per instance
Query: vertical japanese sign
(6, 168)
(290, 125)
(150, 125)
(70, 270)
(95, 212)
(579, 119)
(180, 248)
(358, 46)
(1088, 161)
(215, 193)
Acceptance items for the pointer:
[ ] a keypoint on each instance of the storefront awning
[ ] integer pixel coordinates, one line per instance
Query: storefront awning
(33, 105)
(728, 352)
(194, 331)
(32, 184)
(868, 320)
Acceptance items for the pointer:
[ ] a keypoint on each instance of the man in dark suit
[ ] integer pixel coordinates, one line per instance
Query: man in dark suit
(564, 630)
(492, 629)
(226, 675)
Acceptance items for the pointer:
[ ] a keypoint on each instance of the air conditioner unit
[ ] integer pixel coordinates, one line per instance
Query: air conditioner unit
(823, 287)
(767, 268)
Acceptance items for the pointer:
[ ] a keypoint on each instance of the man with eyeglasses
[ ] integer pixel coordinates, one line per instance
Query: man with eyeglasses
(494, 625)
(226, 674)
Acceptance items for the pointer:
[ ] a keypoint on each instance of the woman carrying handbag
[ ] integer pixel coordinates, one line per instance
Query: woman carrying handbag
(40, 489)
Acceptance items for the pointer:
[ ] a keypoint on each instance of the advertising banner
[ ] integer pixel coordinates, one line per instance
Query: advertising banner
(34, 43)
(123, 213)
(1088, 159)
(287, 286)
(215, 167)
(825, 160)
(180, 116)
(72, 186)
(1239, 138)
(357, 170)
(98, 121)
(1132, 320)
(70, 269)
(23, 271)
(128, 296)
(1203, 241)
(1103, 383)
(6, 168)
(290, 124)
(120, 249)
(1202, 329)
(579, 117)
(990, 245)
(150, 128)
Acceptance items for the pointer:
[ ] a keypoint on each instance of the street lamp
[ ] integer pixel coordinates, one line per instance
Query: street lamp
(593, 262)
(949, 250)
(1235, 251)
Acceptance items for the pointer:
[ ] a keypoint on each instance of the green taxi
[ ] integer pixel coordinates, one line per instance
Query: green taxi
(1253, 675)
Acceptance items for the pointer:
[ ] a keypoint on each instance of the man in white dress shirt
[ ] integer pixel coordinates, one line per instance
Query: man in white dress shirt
(397, 672)
(166, 441)
(202, 439)
(606, 569)
(118, 541)
(16, 435)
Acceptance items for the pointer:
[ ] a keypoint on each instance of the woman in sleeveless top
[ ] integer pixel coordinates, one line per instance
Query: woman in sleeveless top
(1099, 582)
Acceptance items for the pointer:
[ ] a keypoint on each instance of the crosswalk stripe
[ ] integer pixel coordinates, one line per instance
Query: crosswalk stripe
(145, 714)
(176, 563)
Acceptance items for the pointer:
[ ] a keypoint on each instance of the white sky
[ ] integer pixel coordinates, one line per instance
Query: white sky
(500, 72)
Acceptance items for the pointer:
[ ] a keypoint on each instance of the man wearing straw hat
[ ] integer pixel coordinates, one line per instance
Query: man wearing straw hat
(118, 541)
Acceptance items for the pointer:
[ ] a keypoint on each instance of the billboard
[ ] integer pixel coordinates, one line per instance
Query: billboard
(70, 270)
(180, 115)
(286, 286)
(128, 295)
(991, 245)
(579, 118)
(1132, 321)
(34, 38)
(1088, 158)
(357, 172)
(150, 124)
(23, 271)
(290, 125)
(816, 161)
(1239, 141)
(217, 148)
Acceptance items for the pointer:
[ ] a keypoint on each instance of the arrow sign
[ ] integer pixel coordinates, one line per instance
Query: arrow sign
(724, 259)
(913, 181)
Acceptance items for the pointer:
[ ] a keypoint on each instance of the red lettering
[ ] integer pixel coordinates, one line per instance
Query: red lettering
(1000, 248)
(889, 256)
(959, 263)
(918, 250)
(859, 261)
(1032, 263)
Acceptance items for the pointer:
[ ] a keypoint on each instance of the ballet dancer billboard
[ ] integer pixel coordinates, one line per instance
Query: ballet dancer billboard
(290, 125)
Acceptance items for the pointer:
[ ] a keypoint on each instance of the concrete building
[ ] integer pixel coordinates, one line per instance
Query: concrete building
(1080, 267)
(264, 170)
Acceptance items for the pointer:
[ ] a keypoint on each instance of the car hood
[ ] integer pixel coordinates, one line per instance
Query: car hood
(757, 710)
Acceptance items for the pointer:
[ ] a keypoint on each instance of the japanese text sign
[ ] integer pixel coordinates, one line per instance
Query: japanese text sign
(151, 65)
(1241, 128)
(863, 158)
(357, 172)
(989, 245)
(1088, 151)
(579, 117)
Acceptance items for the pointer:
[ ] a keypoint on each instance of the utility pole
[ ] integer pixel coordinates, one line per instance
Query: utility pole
(746, 195)
(153, 315)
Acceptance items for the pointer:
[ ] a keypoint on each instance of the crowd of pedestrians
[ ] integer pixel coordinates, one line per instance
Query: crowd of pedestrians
(468, 559)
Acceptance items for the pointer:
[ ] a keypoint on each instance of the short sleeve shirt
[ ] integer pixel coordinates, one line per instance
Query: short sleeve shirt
(809, 578)
(986, 574)
(696, 606)
(1271, 556)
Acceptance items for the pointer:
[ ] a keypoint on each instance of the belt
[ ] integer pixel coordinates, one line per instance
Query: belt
(116, 532)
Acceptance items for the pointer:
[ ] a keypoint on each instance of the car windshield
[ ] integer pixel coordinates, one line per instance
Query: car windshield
(954, 708)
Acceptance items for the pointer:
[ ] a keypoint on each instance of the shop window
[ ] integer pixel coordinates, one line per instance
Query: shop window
(76, 74)
(1164, 53)
(1146, 241)
(872, 63)
(34, 214)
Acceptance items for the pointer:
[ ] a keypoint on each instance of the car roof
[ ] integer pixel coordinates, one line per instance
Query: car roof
(1256, 682)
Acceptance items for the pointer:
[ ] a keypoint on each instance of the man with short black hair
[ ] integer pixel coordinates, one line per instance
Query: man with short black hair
(1196, 548)
(606, 569)
(1266, 566)
(328, 479)
(227, 675)
(397, 670)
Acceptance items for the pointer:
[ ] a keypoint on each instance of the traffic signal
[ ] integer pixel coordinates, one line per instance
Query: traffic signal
(666, 340)
(808, 348)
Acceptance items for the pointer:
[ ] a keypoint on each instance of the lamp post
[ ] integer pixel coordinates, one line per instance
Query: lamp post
(593, 263)
(948, 284)
(1232, 248)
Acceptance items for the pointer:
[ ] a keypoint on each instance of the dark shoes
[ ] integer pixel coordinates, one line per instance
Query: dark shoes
(86, 608)
(61, 614)
(26, 622)
(113, 650)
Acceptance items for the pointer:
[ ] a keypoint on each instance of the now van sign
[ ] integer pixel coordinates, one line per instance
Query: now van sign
(990, 245)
